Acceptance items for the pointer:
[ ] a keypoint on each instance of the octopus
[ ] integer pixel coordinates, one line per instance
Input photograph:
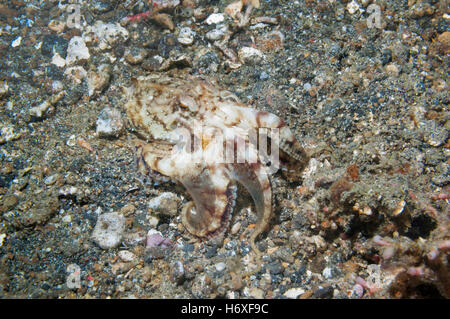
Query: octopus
(204, 137)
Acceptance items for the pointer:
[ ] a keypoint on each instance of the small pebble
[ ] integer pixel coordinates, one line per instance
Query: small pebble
(166, 203)
(352, 7)
(215, 18)
(421, 9)
(49, 180)
(392, 70)
(275, 268)
(2, 238)
(76, 74)
(121, 268)
(126, 255)
(434, 134)
(327, 273)
(8, 133)
(293, 293)
(135, 238)
(108, 35)
(365, 3)
(164, 20)
(220, 266)
(98, 80)
(186, 36)
(57, 26)
(40, 110)
(135, 55)
(256, 293)
(109, 123)
(307, 87)
(102, 6)
(263, 76)
(16, 42)
(153, 220)
(216, 34)
(177, 273)
(58, 60)
(443, 174)
(236, 227)
(109, 230)
(444, 38)
(66, 219)
(4, 89)
(155, 239)
(323, 292)
(234, 8)
(77, 50)
(250, 55)
(358, 290)
(72, 140)
(9, 202)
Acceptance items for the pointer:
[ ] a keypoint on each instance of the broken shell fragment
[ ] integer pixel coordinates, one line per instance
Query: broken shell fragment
(366, 210)
(234, 8)
(57, 26)
(98, 81)
(164, 20)
(399, 208)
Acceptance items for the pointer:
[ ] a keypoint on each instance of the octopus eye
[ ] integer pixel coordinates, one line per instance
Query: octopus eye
(188, 102)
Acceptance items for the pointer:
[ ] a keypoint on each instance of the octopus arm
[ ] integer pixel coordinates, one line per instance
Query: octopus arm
(214, 197)
(254, 178)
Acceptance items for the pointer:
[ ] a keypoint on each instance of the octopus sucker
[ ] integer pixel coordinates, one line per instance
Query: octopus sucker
(203, 137)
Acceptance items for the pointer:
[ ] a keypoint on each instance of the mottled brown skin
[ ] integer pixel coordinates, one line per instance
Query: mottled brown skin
(159, 106)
